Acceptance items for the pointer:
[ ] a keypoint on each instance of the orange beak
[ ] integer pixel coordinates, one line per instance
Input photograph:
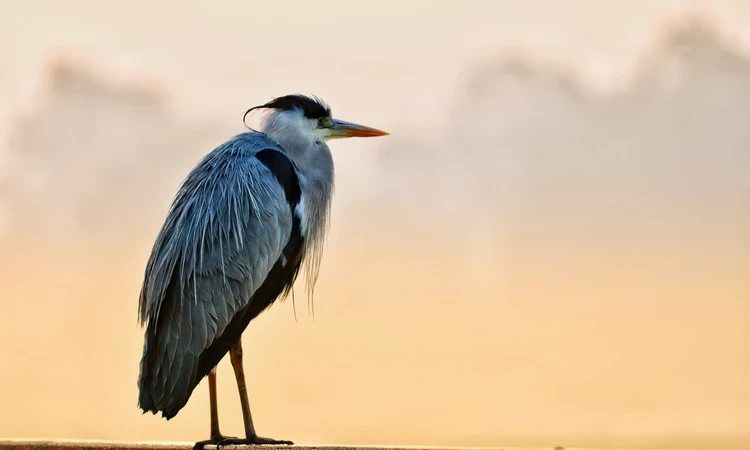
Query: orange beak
(342, 129)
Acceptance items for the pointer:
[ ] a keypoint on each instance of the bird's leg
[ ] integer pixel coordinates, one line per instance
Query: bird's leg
(252, 437)
(239, 372)
(215, 433)
(216, 436)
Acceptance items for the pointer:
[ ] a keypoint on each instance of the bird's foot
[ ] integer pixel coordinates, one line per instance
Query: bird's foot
(252, 440)
(221, 441)
(217, 440)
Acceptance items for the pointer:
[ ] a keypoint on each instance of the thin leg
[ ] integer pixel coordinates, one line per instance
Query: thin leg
(215, 433)
(252, 437)
(239, 372)
(216, 436)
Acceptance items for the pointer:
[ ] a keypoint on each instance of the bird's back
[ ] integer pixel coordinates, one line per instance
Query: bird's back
(230, 246)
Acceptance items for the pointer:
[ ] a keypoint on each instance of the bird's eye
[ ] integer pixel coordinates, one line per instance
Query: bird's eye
(321, 122)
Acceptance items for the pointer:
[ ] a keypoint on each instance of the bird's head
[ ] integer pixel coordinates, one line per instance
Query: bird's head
(306, 120)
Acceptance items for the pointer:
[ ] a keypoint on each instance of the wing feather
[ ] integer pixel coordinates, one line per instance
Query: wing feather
(227, 227)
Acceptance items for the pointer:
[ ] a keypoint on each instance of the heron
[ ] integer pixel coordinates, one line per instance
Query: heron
(245, 221)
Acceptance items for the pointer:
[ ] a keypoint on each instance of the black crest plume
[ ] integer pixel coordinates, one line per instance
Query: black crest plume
(311, 107)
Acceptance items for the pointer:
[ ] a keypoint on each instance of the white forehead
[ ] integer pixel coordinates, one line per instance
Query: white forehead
(292, 129)
(287, 118)
(292, 124)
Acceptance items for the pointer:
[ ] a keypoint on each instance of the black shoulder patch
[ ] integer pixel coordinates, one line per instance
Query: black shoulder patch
(281, 167)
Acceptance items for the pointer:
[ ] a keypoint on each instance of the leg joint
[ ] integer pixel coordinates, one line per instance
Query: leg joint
(235, 353)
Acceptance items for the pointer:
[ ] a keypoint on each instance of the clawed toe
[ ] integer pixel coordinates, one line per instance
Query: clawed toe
(225, 440)
(257, 440)
(218, 441)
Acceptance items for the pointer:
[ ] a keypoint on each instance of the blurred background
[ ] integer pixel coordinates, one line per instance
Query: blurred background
(551, 248)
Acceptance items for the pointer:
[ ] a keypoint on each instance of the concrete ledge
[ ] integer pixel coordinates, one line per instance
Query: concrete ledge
(62, 444)
(32, 444)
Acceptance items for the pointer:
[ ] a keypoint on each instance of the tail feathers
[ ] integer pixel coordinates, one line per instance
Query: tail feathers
(165, 386)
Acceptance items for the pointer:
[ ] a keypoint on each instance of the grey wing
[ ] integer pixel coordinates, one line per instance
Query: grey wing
(225, 231)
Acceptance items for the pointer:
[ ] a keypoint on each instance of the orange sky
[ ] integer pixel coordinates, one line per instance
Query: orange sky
(524, 261)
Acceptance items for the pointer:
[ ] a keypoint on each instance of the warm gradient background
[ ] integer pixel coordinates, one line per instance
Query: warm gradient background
(552, 247)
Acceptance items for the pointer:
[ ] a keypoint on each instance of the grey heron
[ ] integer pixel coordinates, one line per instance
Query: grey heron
(242, 224)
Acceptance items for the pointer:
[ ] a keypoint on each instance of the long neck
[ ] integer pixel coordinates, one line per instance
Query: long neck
(314, 163)
(316, 178)
(296, 135)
